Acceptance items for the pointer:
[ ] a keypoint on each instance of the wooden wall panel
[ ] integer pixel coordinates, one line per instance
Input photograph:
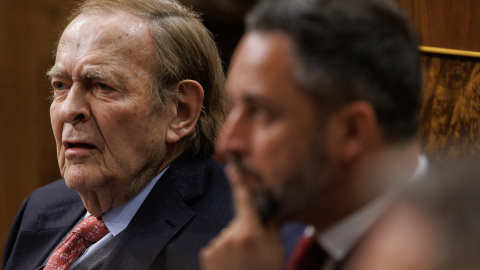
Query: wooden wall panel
(28, 31)
(451, 24)
(450, 115)
(450, 112)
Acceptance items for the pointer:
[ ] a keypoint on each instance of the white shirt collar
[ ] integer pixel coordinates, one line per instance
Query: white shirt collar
(118, 218)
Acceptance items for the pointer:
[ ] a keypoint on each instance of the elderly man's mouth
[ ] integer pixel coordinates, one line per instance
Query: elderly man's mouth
(80, 145)
(77, 149)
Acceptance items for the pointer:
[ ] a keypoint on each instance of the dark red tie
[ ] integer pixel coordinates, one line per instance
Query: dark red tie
(88, 232)
(307, 255)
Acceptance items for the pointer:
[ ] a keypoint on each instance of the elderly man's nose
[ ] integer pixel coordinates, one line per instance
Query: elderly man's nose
(75, 107)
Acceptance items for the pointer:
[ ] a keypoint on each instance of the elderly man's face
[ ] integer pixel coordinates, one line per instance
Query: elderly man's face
(107, 134)
(271, 136)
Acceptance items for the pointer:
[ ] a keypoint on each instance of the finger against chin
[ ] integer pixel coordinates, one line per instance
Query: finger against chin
(242, 197)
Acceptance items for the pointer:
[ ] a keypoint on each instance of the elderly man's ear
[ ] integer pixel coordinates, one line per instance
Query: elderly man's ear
(188, 107)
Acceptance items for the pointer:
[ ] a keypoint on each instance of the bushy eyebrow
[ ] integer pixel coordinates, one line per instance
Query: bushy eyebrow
(255, 101)
(55, 71)
(90, 73)
(96, 74)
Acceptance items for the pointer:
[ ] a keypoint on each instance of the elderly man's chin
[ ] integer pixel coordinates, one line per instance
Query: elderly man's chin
(81, 177)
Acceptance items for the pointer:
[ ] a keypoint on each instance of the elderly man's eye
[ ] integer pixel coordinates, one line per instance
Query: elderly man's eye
(102, 87)
(58, 86)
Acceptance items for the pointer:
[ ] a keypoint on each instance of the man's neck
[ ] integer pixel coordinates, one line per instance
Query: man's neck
(99, 201)
(364, 181)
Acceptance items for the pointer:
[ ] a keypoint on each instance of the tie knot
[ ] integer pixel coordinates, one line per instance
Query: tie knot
(91, 229)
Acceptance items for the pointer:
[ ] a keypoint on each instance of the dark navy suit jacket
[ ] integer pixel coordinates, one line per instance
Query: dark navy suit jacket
(188, 206)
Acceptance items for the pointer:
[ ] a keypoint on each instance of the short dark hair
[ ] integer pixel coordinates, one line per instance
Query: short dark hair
(349, 50)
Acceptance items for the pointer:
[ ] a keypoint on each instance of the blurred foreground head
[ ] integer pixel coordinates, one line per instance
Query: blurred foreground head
(434, 225)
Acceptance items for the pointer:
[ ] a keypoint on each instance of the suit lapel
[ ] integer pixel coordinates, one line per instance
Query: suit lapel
(52, 227)
(161, 216)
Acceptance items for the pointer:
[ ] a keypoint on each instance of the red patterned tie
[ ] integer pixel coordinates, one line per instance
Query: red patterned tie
(89, 231)
(307, 255)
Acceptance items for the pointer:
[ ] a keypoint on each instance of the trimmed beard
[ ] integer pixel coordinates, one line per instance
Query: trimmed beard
(298, 191)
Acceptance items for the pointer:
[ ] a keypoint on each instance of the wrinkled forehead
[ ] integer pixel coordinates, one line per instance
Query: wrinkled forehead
(116, 29)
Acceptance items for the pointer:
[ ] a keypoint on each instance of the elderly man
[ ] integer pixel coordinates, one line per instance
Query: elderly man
(325, 98)
(136, 108)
